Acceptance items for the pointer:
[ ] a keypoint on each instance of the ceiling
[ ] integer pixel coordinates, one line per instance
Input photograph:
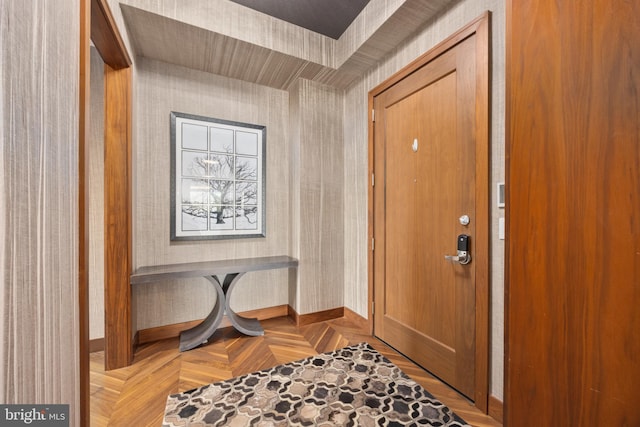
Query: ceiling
(225, 38)
(327, 17)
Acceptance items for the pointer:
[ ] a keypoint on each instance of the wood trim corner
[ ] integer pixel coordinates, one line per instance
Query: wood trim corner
(117, 189)
(96, 345)
(106, 37)
(293, 315)
(318, 316)
(84, 108)
(354, 317)
(117, 127)
(496, 409)
(483, 210)
(370, 209)
(159, 333)
(135, 340)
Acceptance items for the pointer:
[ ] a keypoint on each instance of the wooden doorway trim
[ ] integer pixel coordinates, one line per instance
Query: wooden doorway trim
(480, 27)
(97, 24)
(84, 108)
(117, 185)
(106, 37)
(117, 188)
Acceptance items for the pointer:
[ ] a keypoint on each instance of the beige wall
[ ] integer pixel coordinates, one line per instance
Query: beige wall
(355, 152)
(304, 193)
(162, 88)
(317, 196)
(39, 203)
(96, 199)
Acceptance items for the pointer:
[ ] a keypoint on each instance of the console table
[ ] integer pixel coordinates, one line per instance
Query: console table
(232, 270)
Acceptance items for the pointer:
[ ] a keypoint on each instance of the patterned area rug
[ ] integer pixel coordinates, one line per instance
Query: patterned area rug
(353, 386)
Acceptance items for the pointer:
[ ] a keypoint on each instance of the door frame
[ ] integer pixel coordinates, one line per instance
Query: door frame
(97, 24)
(480, 27)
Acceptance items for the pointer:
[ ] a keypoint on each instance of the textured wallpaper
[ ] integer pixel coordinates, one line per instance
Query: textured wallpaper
(96, 199)
(161, 88)
(318, 191)
(39, 203)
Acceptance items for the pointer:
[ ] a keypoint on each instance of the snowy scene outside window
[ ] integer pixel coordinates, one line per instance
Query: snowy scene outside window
(217, 178)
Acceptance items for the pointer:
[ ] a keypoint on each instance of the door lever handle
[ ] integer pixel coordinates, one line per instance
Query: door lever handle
(463, 257)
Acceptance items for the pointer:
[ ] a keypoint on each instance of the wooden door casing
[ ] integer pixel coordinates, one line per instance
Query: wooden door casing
(102, 29)
(478, 32)
(573, 205)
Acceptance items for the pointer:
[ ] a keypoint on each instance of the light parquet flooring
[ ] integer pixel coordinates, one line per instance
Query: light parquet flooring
(135, 396)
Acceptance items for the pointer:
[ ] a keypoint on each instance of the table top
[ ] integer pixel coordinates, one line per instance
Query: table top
(210, 268)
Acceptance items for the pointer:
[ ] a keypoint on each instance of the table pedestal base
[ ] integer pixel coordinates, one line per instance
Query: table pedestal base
(200, 334)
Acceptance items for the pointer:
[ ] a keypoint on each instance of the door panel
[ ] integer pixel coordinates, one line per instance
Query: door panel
(573, 214)
(426, 305)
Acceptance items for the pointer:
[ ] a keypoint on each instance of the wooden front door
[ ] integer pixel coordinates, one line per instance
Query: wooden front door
(426, 154)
